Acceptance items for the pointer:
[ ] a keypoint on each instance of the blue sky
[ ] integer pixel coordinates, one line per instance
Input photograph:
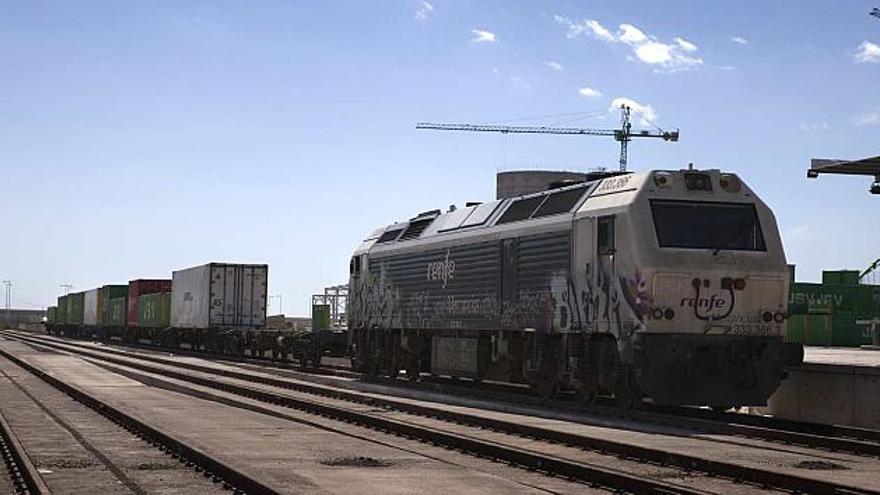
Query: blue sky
(141, 137)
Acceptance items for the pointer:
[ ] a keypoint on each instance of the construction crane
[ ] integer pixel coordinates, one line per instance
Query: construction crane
(623, 135)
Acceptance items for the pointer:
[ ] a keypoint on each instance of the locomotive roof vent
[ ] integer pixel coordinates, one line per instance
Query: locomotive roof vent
(416, 227)
(544, 205)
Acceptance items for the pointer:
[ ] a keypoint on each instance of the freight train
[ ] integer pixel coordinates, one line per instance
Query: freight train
(669, 285)
(218, 308)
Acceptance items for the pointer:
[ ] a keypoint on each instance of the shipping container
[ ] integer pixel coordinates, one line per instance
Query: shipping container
(219, 295)
(61, 313)
(154, 310)
(840, 277)
(116, 312)
(320, 317)
(90, 308)
(75, 305)
(105, 295)
(138, 287)
(51, 314)
(836, 312)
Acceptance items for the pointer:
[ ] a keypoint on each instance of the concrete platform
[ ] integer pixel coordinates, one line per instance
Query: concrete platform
(834, 386)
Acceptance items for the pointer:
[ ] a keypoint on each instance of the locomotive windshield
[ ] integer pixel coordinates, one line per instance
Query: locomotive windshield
(702, 225)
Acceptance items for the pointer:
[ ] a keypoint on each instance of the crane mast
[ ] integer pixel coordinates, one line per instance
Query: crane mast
(623, 135)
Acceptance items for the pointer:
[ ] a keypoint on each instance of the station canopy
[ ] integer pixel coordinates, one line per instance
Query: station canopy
(866, 166)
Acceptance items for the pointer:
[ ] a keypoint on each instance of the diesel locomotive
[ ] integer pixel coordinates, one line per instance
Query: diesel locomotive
(669, 285)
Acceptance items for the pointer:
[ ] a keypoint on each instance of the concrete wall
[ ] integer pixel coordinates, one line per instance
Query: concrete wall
(830, 394)
(519, 182)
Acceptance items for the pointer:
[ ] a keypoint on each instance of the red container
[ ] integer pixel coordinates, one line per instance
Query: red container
(142, 286)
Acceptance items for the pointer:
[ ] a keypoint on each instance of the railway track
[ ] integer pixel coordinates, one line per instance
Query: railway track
(813, 435)
(215, 471)
(331, 402)
(23, 477)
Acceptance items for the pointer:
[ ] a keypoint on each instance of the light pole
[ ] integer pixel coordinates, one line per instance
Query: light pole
(8, 284)
(280, 302)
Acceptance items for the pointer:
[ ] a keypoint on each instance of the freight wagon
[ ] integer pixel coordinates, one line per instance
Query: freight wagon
(217, 307)
(669, 284)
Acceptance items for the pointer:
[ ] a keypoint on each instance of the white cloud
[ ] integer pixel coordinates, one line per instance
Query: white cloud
(739, 39)
(590, 26)
(631, 35)
(868, 119)
(868, 52)
(676, 56)
(685, 44)
(481, 36)
(519, 83)
(424, 11)
(514, 81)
(821, 126)
(645, 112)
(599, 30)
(653, 52)
(589, 92)
(555, 66)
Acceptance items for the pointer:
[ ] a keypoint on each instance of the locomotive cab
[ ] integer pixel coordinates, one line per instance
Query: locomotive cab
(696, 260)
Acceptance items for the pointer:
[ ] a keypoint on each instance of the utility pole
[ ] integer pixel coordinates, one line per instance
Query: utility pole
(8, 284)
(280, 302)
(66, 288)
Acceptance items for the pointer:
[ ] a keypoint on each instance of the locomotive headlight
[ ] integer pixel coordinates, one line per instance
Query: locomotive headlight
(669, 313)
(730, 183)
(739, 284)
(767, 316)
(662, 179)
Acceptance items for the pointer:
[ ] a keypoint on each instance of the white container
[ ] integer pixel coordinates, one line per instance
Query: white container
(90, 307)
(219, 295)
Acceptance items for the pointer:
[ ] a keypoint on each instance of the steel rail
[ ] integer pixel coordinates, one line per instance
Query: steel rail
(213, 468)
(812, 435)
(554, 466)
(739, 473)
(842, 438)
(26, 480)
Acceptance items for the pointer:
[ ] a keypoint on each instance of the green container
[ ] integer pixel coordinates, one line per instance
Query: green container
(51, 313)
(320, 317)
(116, 313)
(61, 313)
(841, 277)
(75, 308)
(105, 295)
(805, 298)
(154, 310)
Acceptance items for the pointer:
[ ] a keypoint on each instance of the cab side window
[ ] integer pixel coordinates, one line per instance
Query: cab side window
(354, 268)
(605, 235)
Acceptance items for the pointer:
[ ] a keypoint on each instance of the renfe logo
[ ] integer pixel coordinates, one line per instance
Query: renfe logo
(713, 302)
(441, 270)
